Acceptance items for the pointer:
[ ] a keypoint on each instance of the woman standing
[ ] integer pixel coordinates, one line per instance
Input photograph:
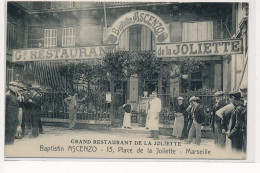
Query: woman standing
(127, 115)
(179, 118)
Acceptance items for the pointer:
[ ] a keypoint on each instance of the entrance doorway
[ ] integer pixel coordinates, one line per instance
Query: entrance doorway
(137, 38)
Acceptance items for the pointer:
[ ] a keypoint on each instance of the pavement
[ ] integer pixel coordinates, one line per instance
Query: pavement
(56, 138)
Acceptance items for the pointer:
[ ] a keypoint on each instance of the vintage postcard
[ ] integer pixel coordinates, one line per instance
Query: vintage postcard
(126, 80)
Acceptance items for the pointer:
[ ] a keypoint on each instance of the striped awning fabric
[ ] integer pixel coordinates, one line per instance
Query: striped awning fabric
(47, 74)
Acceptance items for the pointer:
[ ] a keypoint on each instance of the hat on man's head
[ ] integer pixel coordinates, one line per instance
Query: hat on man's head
(13, 83)
(235, 95)
(218, 93)
(179, 98)
(191, 99)
(196, 99)
(243, 89)
(36, 86)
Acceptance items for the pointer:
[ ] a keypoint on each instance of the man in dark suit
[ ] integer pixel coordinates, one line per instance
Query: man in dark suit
(244, 119)
(198, 119)
(33, 100)
(189, 110)
(234, 132)
(216, 125)
(11, 115)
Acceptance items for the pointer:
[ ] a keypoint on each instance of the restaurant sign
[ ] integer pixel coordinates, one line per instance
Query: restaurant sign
(55, 54)
(200, 48)
(141, 17)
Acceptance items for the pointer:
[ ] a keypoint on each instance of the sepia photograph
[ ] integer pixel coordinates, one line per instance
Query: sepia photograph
(126, 80)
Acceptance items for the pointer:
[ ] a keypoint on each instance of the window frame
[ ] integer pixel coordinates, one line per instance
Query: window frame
(50, 36)
(70, 39)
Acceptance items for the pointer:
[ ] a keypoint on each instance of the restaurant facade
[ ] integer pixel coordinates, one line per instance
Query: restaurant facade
(42, 36)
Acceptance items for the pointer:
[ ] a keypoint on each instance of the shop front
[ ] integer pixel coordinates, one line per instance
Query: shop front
(174, 57)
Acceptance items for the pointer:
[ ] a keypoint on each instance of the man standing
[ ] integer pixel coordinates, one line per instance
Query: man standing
(34, 103)
(198, 119)
(189, 110)
(244, 119)
(179, 114)
(20, 98)
(72, 103)
(216, 125)
(234, 132)
(27, 120)
(11, 115)
(154, 108)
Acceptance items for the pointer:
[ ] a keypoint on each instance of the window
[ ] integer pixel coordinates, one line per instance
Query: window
(197, 31)
(196, 81)
(74, 4)
(10, 35)
(9, 75)
(50, 38)
(15, 34)
(68, 36)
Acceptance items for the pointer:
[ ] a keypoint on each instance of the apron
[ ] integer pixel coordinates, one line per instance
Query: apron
(127, 120)
(178, 126)
(153, 114)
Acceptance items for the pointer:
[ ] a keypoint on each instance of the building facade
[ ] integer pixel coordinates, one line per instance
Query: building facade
(42, 26)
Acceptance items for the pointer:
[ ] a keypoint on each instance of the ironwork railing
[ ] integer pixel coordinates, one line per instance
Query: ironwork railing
(167, 117)
(54, 109)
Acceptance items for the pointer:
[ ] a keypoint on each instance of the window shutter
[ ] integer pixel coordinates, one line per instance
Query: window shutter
(50, 39)
(197, 31)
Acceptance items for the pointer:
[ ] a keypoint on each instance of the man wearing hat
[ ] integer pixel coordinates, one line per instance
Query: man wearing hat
(33, 100)
(198, 119)
(11, 114)
(244, 119)
(72, 103)
(216, 125)
(26, 122)
(20, 98)
(179, 113)
(189, 110)
(154, 108)
(234, 132)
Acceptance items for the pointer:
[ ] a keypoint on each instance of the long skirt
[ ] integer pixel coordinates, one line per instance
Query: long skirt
(178, 126)
(127, 120)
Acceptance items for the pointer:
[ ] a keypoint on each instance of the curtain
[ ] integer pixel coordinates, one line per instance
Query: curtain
(124, 40)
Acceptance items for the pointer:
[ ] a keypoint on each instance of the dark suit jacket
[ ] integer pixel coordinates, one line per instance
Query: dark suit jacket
(215, 118)
(235, 124)
(199, 114)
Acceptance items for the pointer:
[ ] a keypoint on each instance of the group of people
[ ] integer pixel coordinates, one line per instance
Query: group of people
(228, 120)
(188, 120)
(152, 119)
(23, 111)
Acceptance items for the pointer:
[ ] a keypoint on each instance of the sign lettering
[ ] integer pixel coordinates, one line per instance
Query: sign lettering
(151, 20)
(202, 48)
(55, 54)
